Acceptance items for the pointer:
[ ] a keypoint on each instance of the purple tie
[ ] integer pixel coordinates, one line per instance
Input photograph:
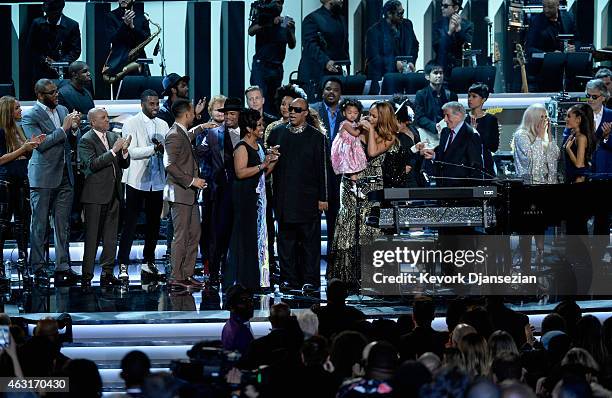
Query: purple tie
(450, 139)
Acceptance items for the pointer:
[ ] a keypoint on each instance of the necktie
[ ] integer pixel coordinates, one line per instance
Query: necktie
(105, 141)
(451, 137)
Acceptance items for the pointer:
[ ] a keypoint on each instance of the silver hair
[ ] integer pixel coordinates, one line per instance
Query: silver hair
(603, 72)
(92, 112)
(455, 107)
(598, 84)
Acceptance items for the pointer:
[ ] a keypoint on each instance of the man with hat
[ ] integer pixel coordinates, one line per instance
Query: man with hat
(176, 87)
(215, 148)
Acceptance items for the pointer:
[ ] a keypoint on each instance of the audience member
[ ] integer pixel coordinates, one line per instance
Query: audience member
(551, 322)
(480, 319)
(571, 313)
(448, 383)
(336, 316)
(423, 338)
(346, 352)
(453, 357)
(431, 361)
(483, 388)
(135, 368)
(476, 354)
(501, 342)
(409, 377)
(506, 366)
(309, 323)
(85, 380)
(589, 336)
(459, 331)
(315, 378)
(237, 334)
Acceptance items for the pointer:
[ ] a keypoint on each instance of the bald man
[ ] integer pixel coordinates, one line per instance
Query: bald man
(104, 155)
(300, 192)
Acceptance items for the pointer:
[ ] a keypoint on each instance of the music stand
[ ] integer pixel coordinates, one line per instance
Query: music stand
(132, 86)
(403, 83)
(559, 69)
(462, 78)
(351, 85)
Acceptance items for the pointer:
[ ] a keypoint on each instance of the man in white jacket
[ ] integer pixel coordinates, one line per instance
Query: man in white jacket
(145, 180)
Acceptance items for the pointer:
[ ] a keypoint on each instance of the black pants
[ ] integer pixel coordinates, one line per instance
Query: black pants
(220, 231)
(268, 77)
(300, 241)
(135, 201)
(15, 201)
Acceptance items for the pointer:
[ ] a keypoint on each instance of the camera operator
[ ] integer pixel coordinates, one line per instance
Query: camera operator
(273, 33)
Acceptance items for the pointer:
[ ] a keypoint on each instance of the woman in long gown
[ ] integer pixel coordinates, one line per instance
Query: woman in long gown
(248, 262)
(344, 260)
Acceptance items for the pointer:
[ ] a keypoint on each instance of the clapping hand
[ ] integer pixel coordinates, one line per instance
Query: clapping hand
(606, 128)
(199, 107)
(71, 120)
(126, 144)
(128, 18)
(118, 145)
(331, 66)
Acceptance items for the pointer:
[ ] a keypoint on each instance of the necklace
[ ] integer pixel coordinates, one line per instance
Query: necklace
(296, 130)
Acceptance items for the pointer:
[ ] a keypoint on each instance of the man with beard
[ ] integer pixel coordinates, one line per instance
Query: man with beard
(332, 117)
(126, 28)
(300, 196)
(51, 181)
(53, 38)
(391, 37)
(324, 42)
(176, 87)
(144, 183)
(76, 94)
(217, 152)
(449, 34)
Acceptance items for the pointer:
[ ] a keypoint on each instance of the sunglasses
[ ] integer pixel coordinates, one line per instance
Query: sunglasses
(296, 109)
(446, 5)
(594, 97)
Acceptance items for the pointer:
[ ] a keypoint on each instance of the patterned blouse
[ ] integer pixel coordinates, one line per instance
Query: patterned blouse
(535, 161)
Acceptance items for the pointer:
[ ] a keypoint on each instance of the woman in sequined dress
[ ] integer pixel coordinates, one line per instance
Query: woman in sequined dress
(535, 159)
(344, 259)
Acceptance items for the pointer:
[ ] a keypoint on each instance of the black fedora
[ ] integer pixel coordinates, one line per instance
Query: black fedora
(171, 81)
(232, 104)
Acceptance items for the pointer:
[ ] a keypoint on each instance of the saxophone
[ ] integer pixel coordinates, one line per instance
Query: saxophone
(131, 65)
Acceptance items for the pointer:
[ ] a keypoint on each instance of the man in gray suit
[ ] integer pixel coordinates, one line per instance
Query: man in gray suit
(51, 181)
(181, 190)
(103, 155)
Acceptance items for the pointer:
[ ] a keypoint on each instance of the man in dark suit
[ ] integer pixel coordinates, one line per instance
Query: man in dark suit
(332, 117)
(103, 155)
(216, 150)
(182, 187)
(459, 154)
(423, 337)
(53, 38)
(391, 37)
(51, 181)
(543, 34)
(300, 195)
(449, 34)
(429, 101)
(324, 42)
(126, 28)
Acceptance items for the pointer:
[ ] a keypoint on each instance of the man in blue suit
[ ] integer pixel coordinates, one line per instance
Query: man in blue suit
(216, 156)
(51, 181)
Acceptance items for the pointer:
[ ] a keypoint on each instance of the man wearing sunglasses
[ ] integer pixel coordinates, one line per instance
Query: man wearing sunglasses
(449, 34)
(391, 37)
(300, 192)
(51, 181)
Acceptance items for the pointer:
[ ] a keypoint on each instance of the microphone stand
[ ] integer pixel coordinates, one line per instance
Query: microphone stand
(481, 170)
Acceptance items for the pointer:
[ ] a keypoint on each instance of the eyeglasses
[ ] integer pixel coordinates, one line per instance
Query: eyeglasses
(594, 97)
(296, 109)
(52, 92)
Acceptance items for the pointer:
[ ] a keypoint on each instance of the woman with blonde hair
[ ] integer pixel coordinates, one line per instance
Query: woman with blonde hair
(15, 150)
(380, 135)
(476, 354)
(535, 159)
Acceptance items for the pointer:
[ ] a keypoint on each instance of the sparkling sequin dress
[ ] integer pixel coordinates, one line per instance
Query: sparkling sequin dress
(343, 261)
(535, 160)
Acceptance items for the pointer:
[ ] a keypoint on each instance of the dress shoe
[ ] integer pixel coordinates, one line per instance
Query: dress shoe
(65, 278)
(195, 282)
(109, 280)
(41, 277)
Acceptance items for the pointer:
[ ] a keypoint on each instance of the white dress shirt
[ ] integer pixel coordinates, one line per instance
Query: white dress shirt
(53, 115)
(598, 116)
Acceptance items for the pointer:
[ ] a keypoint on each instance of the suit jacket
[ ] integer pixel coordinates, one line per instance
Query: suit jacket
(428, 112)
(46, 167)
(142, 150)
(101, 168)
(333, 186)
(181, 167)
(448, 49)
(381, 51)
(324, 38)
(466, 149)
(214, 159)
(61, 43)
(124, 39)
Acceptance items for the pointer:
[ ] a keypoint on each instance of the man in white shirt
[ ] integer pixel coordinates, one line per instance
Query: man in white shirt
(144, 182)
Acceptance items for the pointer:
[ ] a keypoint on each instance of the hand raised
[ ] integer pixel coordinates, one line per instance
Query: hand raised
(118, 145)
(199, 183)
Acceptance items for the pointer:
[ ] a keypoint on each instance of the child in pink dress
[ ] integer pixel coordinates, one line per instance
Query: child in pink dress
(347, 154)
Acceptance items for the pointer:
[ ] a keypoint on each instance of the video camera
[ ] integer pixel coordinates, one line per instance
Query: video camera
(263, 12)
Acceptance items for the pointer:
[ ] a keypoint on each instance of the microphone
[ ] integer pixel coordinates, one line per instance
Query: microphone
(157, 48)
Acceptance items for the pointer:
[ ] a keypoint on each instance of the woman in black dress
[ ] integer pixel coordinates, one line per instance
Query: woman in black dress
(485, 123)
(248, 262)
(408, 136)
